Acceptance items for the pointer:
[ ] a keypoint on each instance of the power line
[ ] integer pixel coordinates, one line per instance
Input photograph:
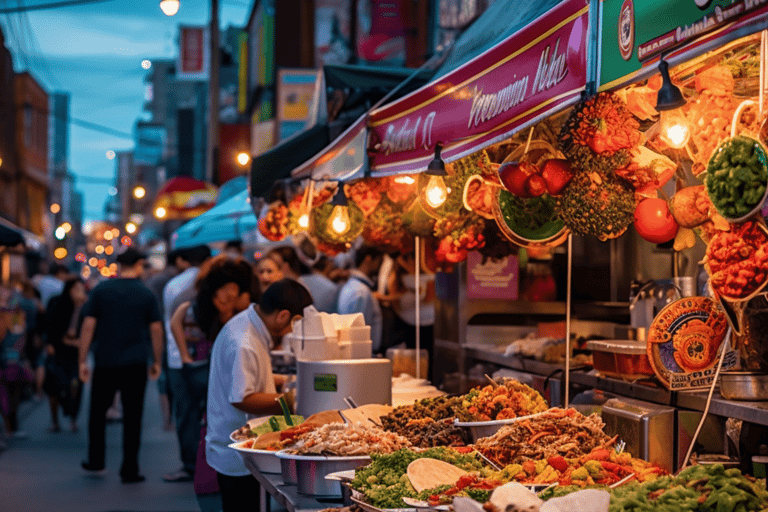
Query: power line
(50, 5)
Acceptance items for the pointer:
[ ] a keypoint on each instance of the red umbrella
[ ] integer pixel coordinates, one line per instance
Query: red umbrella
(184, 198)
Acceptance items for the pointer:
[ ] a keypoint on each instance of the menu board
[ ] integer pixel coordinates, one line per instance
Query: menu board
(494, 279)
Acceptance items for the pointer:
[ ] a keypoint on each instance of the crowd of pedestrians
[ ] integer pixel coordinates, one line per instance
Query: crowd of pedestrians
(203, 328)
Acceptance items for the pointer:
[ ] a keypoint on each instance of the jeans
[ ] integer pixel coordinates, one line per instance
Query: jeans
(188, 416)
(131, 381)
(236, 491)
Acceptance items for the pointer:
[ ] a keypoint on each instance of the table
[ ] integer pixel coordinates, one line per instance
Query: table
(287, 495)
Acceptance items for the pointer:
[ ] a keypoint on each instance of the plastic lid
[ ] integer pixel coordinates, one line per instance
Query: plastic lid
(617, 346)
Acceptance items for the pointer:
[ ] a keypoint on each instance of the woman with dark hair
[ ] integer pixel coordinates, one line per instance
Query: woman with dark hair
(223, 290)
(62, 384)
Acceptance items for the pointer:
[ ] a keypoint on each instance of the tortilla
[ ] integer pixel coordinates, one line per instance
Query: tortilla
(369, 413)
(324, 418)
(266, 441)
(429, 473)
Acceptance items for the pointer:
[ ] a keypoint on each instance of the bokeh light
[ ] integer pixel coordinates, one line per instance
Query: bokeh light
(60, 253)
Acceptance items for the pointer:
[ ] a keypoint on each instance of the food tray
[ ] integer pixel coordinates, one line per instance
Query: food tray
(265, 460)
(478, 429)
(311, 471)
(370, 508)
(621, 359)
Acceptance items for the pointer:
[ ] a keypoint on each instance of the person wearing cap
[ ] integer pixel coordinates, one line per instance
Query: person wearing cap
(122, 321)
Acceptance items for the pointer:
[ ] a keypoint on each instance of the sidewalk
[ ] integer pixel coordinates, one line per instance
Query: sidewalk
(43, 473)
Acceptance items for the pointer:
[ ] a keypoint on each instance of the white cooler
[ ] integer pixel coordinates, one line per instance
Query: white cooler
(323, 385)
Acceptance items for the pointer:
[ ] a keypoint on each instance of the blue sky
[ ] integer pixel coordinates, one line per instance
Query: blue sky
(94, 52)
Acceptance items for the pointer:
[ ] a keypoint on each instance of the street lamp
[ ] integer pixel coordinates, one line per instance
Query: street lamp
(243, 158)
(139, 192)
(212, 148)
(169, 7)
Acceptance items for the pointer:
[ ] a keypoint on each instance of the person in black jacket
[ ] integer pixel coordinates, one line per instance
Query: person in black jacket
(62, 384)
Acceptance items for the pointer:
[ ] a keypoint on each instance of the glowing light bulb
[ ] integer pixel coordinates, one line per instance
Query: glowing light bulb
(405, 180)
(160, 212)
(169, 7)
(130, 228)
(60, 233)
(436, 192)
(338, 222)
(675, 130)
(304, 221)
(55, 208)
(60, 253)
(243, 158)
(139, 192)
(67, 227)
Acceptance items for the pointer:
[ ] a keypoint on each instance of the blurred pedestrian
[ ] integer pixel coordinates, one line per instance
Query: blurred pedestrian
(50, 285)
(223, 290)
(186, 409)
(356, 294)
(156, 283)
(242, 384)
(62, 384)
(268, 270)
(122, 320)
(15, 371)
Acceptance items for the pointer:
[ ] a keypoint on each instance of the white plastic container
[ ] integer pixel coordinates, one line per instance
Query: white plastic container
(321, 348)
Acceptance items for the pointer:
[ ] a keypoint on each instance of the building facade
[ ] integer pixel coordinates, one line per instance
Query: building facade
(8, 160)
(31, 102)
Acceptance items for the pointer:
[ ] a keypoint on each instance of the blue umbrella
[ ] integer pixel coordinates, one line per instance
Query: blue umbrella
(226, 221)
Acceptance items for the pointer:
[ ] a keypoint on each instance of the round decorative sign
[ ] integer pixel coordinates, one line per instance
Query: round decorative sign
(684, 342)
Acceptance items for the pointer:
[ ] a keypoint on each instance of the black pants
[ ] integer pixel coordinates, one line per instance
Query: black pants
(237, 491)
(131, 381)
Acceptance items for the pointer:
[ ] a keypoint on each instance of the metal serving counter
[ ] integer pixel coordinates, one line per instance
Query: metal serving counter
(752, 412)
(288, 495)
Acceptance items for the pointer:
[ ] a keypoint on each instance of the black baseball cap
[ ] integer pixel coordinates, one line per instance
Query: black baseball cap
(129, 257)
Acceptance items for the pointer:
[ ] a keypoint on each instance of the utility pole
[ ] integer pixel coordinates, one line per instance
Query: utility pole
(212, 148)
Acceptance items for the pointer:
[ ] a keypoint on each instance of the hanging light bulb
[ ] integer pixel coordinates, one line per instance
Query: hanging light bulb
(338, 222)
(436, 193)
(304, 221)
(675, 129)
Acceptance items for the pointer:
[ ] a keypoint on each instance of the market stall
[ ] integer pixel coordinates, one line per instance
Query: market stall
(666, 163)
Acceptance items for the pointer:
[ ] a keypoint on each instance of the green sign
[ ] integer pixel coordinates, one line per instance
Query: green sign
(636, 31)
(326, 382)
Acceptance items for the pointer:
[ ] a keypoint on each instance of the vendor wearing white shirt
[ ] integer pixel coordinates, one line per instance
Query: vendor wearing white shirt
(242, 385)
(356, 295)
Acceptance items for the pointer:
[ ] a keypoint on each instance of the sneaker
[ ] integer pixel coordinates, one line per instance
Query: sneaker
(178, 476)
(132, 479)
(92, 470)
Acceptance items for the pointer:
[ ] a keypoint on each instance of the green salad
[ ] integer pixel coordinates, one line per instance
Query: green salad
(385, 480)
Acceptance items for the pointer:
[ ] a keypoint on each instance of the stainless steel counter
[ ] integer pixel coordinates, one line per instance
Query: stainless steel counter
(753, 412)
(287, 495)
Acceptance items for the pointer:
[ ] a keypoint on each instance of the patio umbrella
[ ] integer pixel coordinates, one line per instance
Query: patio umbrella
(185, 198)
(226, 221)
(10, 237)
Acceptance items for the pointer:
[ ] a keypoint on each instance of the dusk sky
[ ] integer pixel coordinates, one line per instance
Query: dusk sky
(94, 52)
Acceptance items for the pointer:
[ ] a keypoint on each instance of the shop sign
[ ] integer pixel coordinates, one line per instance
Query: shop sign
(494, 279)
(193, 53)
(531, 74)
(635, 33)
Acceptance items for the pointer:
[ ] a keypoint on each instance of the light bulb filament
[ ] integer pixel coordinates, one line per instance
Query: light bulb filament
(436, 192)
(339, 220)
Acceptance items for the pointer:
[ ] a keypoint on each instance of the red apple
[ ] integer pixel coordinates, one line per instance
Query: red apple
(513, 177)
(535, 185)
(557, 174)
(654, 222)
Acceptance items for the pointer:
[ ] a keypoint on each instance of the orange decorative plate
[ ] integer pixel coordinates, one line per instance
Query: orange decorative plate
(684, 342)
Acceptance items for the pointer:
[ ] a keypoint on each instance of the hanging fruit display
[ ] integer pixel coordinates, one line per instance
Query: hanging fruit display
(598, 134)
(597, 204)
(458, 233)
(654, 222)
(366, 193)
(274, 224)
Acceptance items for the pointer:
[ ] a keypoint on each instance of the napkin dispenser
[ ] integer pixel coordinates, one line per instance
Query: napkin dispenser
(647, 429)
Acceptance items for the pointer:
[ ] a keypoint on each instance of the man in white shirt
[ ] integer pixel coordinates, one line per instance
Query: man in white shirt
(187, 413)
(241, 384)
(356, 295)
